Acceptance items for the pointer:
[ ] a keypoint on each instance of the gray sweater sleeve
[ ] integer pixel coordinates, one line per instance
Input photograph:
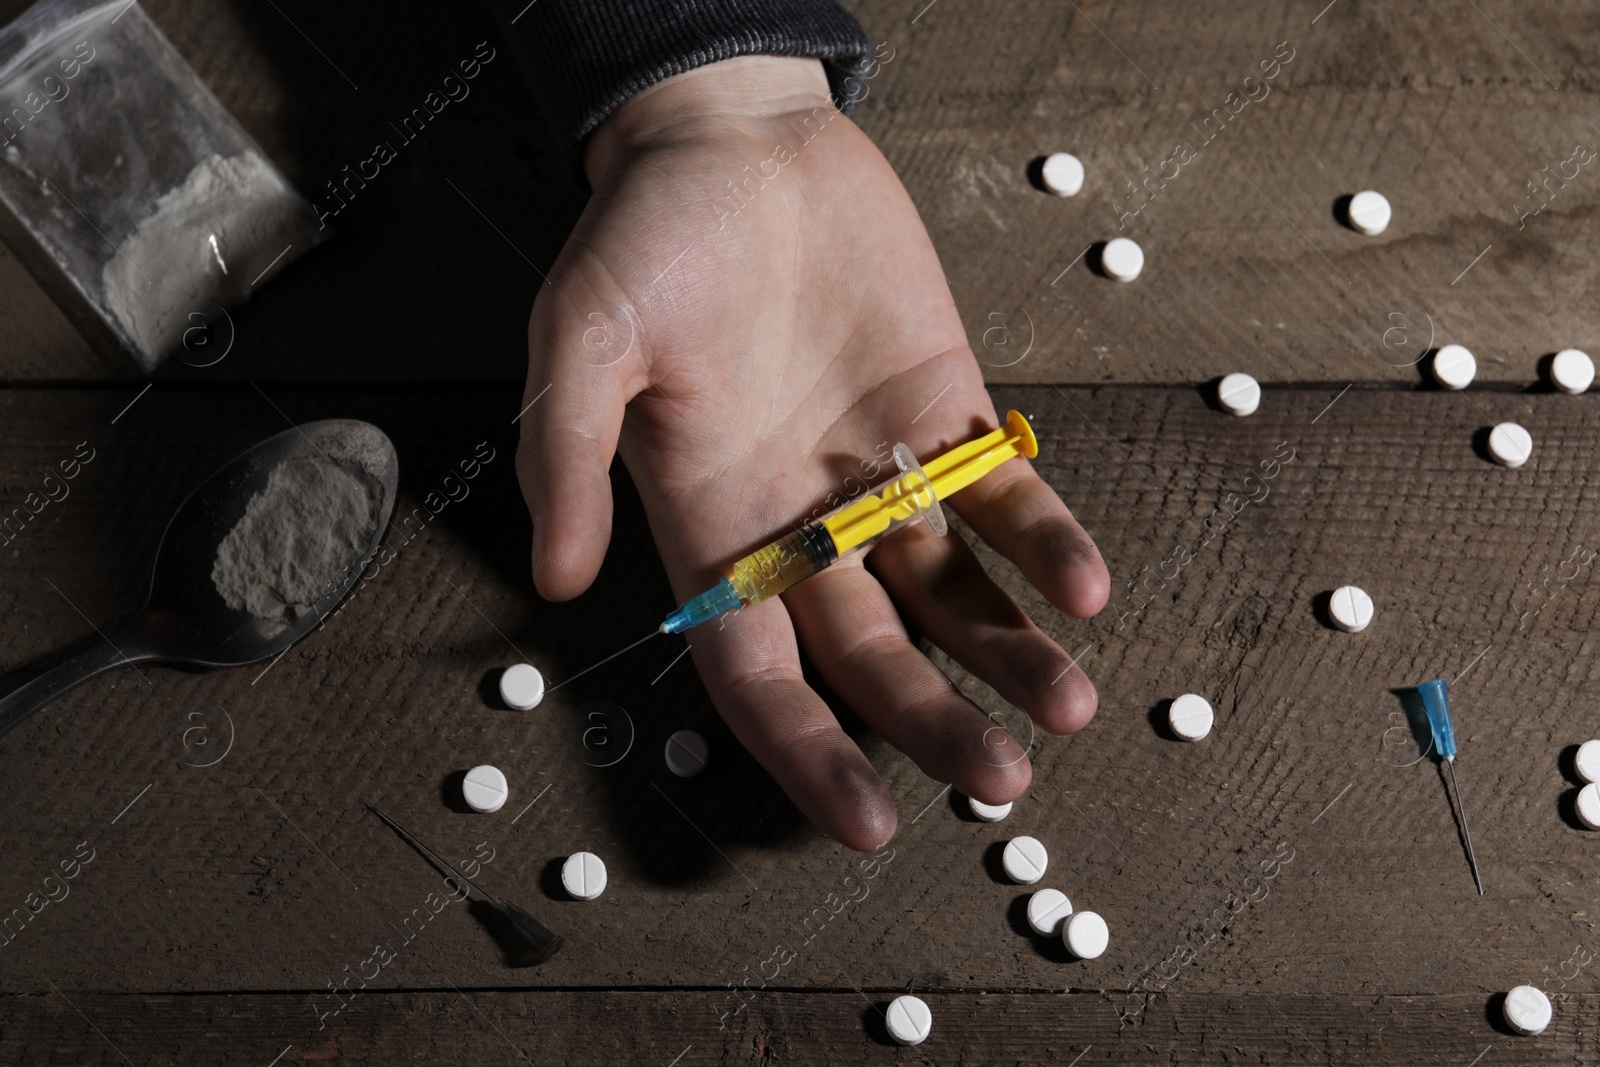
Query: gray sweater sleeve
(583, 58)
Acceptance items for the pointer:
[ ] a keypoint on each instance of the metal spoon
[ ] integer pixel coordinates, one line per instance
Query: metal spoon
(185, 619)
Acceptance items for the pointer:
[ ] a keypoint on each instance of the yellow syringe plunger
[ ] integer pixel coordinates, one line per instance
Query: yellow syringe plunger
(921, 486)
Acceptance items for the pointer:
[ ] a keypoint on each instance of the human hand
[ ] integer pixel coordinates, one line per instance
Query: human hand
(744, 337)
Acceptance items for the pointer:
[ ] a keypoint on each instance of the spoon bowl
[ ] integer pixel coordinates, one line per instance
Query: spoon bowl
(185, 620)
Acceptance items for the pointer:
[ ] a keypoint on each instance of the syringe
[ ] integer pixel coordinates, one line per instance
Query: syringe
(1436, 702)
(911, 496)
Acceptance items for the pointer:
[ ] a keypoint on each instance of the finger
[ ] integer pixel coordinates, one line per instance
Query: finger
(851, 631)
(584, 365)
(751, 667)
(943, 590)
(1023, 519)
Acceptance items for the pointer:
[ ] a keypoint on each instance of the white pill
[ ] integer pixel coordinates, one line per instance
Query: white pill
(1122, 259)
(521, 687)
(1239, 394)
(1572, 371)
(1085, 935)
(1588, 761)
(484, 789)
(1024, 860)
(1370, 212)
(909, 1020)
(1046, 910)
(989, 812)
(1589, 806)
(1527, 1010)
(1351, 608)
(1454, 366)
(1510, 444)
(584, 875)
(1063, 173)
(686, 753)
(1191, 717)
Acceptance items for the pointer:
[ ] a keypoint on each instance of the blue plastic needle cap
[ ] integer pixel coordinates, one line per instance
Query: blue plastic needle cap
(1436, 701)
(708, 605)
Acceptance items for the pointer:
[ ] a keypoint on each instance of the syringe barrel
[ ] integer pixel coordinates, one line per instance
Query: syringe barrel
(770, 570)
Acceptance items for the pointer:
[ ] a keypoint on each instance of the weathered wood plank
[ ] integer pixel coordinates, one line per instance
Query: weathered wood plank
(682, 1028)
(262, 872)
(1451, 115)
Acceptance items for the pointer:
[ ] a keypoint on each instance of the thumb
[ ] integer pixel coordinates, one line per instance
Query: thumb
(584, 365)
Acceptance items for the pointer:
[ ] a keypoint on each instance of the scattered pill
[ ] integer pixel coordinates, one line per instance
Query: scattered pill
(1085, 935)
(1046, 910)
(1572, 371)
(484, 789)
(521, 686)
(1589, 806)
(1370, 212)
(1024, 860)
(1122, 259)
(1191, 717)
(1588, 761)
(909, 1020)
(1351, 608)
(584, 875)
(1063, 173)
(1239, 394)
(1510, 444)
(1527, 1010)
(1454, 366)
(989, 812)
(686, 753)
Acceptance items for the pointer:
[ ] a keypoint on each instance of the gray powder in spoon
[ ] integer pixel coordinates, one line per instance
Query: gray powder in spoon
(298, 537)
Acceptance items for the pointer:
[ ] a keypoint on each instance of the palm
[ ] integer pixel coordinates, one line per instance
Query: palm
(767, 347)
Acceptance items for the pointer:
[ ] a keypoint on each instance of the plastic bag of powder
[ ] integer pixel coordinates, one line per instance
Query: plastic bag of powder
(134, 197)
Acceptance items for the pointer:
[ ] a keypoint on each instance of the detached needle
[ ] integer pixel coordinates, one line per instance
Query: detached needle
(1436, 701)
(534, 933)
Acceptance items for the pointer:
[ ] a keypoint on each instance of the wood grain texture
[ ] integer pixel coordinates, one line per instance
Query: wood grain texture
(1450, 111)
(496, 1027)
(1302, 849)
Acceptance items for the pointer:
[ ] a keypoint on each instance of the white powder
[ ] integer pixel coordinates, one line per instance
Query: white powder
(297, 538)
(201, 247)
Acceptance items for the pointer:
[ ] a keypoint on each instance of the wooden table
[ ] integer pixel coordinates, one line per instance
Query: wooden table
(1293, 889)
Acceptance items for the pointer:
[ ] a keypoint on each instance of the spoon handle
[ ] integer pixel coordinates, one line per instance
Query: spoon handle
(33, 695)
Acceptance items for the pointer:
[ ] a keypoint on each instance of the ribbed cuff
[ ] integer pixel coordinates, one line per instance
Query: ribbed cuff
(583, 58)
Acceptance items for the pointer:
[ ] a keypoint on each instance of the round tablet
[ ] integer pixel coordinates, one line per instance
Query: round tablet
(1588, 761)
(1589, 806)
(584, 875)
(909, 1020)
(1085, 935)
(1122, 259)
(1191, 717)
(1370, 212)
(521, 687)
(1239, 394)
(989, 812)
(1510, 444)
(484, 789)
(1063, 173)
(1572, 371)
(686, 753)
(1527, 1010)
(1046, 910)
(1024, 860)
(1351, 608)
(1454, 366)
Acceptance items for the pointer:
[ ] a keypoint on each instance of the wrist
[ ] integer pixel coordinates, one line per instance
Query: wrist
(712, 100)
